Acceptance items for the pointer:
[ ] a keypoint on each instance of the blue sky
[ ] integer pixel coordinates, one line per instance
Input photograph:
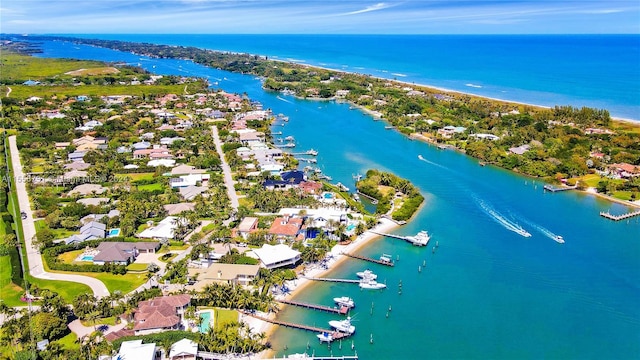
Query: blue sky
(320, 17)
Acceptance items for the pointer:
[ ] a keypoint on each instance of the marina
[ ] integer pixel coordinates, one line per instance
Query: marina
(336, 335)
(351, 281)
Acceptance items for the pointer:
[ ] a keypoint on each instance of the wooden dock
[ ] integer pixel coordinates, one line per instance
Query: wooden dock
(335, 334)
(556, 189)
(373, 200)
(619, 217)
(389, 235)
(375, 261)
(350, 281)
(342, 310)
(327, 357)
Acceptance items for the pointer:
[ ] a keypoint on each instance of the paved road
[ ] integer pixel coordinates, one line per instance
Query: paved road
(35, 259)
(226, 170)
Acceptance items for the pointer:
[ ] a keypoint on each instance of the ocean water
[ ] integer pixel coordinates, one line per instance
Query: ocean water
(486, 292)
(601, 71)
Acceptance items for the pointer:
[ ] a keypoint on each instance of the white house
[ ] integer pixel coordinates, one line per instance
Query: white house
(135, 349)
(184, 349)
(189, 180)
(164, 230)
(275, 256)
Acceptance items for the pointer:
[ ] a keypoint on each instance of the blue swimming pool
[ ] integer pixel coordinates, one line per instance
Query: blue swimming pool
(350, 227)
(328, 195)
(87, 258)
(206, 321)
(114, 232)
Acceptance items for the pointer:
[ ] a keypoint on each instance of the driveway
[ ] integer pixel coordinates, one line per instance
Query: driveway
(36, 269)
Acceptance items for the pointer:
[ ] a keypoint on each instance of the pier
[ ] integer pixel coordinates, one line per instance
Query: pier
(422, 239)
(350, 281)
(335, 334)
(556, 189)
(327, 357)
(375, 261)
(342, 310)
(619, 217)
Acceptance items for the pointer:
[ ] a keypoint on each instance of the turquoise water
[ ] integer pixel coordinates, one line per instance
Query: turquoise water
(206, 321)
(486, 292)
(601, 71)
(114, 232)
(87, 258)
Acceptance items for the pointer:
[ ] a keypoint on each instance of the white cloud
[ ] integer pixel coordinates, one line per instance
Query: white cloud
(375, 7)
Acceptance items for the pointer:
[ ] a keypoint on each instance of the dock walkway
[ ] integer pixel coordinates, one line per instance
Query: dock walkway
(342, 310)
(375, 261)
(373, 200)
(556, 189)
(619, 217)
(335, 334)
(331, 280)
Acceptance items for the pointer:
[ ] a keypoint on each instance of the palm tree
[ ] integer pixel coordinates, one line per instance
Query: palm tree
(93, 317)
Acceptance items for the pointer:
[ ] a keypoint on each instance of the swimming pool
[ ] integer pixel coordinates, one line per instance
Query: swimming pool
(87, 258)
(328, 195)
(350, 227)
(114, 232)
(206, 321)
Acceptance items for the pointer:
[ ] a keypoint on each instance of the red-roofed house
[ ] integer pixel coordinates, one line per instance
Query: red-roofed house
(625, 170)
(160, 314)
(311, 187)
(285, 227)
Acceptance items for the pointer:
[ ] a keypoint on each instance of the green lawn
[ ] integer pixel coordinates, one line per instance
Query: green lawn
(10, 293)
(103, 321)
(138, 176)
(137, 267)
(223, 316)
(623, 195)
(125, 283)
(69, 341)
(150, 187)
(62, 91)
(57, 233)
(70, 257)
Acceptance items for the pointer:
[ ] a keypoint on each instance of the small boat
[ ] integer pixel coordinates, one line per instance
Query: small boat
(420, 157)
(312, 152)
(290, 138)
(367, 274)
(385, 258)
(325, 337)
(343, 326)
(356, 197)
(388, 127)
(559, 239)
(342, 187)
(523, 232)
(345, 301)
(371, 284)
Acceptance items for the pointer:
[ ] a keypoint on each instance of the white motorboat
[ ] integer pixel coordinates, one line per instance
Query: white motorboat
(371, 284)
(385, 258)
(344, 301)
(420, 239)
(325, 337)
(522, 232)
(343, 326)
(559, 239)
(367, 275)
(342, 187)
(312, 152)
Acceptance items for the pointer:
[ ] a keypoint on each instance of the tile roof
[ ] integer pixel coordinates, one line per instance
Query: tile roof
(159, 312)
(286, 226)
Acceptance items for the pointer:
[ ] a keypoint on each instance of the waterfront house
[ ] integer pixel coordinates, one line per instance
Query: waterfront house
(232, 274)
(276, 256)
(625, 170)
(483, 136)
(160, 314)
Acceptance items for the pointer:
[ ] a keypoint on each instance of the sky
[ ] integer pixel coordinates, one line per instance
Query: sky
(320, 16)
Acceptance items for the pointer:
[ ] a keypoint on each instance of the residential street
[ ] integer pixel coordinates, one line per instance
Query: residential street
(226, 170)
(36, 268)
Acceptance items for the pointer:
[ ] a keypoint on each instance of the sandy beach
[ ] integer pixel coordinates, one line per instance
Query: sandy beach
(296, 286)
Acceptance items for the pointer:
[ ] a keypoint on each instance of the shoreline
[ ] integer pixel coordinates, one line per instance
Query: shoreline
(298, 285)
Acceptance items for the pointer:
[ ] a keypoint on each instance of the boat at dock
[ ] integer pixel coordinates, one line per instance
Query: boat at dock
(344, 301)
(325, 337)
(420, 239)
(290, 138)
(367, 274)
(559, 239)
(312, 152)
(343, 326)
(371, 285)
(342, 187)
(386, 258)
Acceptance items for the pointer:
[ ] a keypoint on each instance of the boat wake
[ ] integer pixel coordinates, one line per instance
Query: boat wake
(502, 220)
(548, 233)
(283, 99)
(421, 158)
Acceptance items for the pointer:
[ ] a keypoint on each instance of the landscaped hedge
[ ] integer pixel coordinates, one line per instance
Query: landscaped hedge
(159, 338)
(17, 277)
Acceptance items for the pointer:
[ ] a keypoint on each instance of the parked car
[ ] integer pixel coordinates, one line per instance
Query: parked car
(23, 215)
